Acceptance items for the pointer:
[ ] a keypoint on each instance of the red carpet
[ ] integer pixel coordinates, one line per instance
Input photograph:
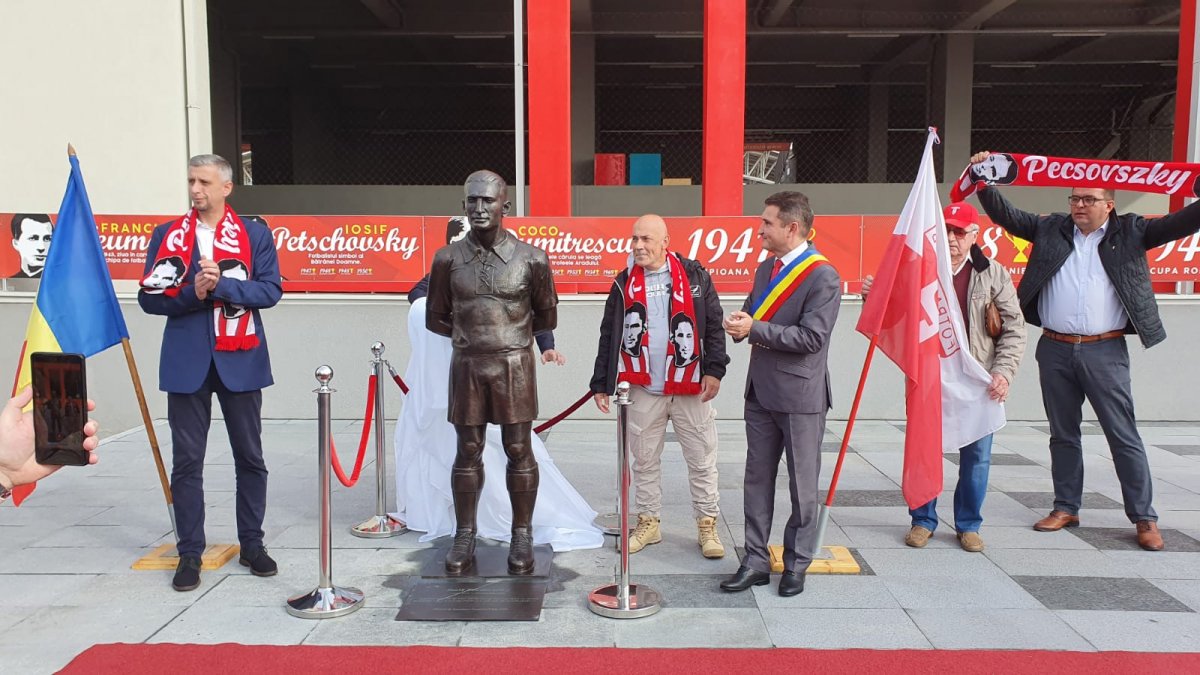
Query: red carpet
(234, 658)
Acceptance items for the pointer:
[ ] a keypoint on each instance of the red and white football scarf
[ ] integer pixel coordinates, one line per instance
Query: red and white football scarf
(1006, 168)
(233, 325)
(683, 375)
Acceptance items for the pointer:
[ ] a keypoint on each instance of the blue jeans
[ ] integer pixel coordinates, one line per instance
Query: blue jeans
(974, 460)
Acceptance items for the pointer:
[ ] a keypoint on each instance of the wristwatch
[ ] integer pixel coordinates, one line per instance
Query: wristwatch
(5, 492)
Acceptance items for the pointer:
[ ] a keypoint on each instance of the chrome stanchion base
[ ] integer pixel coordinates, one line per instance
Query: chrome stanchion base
(379, 527)
(643, 601)
(325, 603)
(610, 523)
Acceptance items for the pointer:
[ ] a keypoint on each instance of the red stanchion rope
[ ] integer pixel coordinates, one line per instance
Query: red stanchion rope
(400, 383)
(362, 442)
(562, 415)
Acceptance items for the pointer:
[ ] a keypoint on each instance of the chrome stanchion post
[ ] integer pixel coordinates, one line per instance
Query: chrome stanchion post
(381, 524)
(623, 600)
(326, 600)
(611, 523)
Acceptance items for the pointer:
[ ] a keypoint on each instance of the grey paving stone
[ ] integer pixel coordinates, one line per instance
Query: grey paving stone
(1088, 563)
(378, 626)
(76, 628)
(1186, 591)
(92, 560)
(1044, 501)
(563, 626)
(1125, 539)
(1025, 537)
(828, 591)
(1100, 593)
(864, 498)
(1179, 449)
(213, 624)
(843, 629)
(695, 591)
(675, 627)
(887, 536)
(1136, 631)
(38, 659)
(1085, 430)
(997, 629)
(16, 614)
(927, 592)
(573, 591)
(911, 562)
(998, 459)
(850, 516)
(40, 590)
(1157, 564)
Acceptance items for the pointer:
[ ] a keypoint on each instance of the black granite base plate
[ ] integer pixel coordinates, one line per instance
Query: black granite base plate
(510, 599)
(490, 562)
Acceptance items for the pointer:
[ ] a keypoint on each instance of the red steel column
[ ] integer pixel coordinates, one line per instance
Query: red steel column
(1185, 114)
(548, 25)
(724, 106)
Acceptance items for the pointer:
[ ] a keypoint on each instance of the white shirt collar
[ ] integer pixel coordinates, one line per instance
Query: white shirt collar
(794, 253)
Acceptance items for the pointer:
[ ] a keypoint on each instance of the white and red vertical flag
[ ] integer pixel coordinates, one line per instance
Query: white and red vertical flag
(914, 316)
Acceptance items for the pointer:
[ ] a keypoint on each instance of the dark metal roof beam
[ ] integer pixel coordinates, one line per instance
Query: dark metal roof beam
(387, 13)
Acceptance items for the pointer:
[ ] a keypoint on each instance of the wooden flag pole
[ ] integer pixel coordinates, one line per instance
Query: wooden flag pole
(158, 462)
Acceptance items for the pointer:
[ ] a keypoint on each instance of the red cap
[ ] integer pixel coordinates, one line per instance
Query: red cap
(961, 215)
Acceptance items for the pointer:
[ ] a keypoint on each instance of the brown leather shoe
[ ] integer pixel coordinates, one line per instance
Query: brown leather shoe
(1056, 521)
(1148, 535)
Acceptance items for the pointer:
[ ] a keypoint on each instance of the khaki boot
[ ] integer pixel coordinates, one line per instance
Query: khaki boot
(645, 533)
(918, 536)
(710, 543)
(970, 541)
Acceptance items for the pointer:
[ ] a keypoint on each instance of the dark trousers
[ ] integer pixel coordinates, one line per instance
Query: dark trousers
(190, 416)
(1098, 371)
(797, 438)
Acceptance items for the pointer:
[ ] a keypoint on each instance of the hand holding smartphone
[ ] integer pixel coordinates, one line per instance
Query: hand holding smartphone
(59, 408)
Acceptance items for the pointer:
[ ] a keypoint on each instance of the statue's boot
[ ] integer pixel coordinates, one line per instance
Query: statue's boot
(522, 492)
(465, 484)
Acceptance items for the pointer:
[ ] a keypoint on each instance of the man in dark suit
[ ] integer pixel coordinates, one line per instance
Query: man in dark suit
(205, 351)
(788, 319)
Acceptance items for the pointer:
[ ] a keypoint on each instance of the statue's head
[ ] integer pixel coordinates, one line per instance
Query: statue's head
(486, 200)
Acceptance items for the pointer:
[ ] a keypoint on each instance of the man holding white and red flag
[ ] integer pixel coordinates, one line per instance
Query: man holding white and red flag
(1088, 286)
(913, 315)
(788, 319)
(662, 332)
(996, 338)
(209, 273)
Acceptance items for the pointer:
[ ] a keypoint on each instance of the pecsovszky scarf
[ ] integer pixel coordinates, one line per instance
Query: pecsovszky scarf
(233, 325)
(1170, 178)
(682, 378)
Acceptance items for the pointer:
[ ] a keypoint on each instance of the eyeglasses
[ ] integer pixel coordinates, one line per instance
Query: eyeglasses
(1086, 200)
(959, 233)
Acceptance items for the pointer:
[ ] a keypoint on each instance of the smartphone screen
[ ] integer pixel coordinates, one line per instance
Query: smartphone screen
(59, 408)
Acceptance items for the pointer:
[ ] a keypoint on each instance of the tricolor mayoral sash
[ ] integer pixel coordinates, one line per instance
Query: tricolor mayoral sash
(785, 284)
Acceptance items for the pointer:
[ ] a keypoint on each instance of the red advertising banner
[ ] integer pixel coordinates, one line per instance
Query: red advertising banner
(389, 254)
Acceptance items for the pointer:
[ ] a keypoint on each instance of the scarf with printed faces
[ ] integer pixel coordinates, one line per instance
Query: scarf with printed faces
(233, 325)
(683, 344)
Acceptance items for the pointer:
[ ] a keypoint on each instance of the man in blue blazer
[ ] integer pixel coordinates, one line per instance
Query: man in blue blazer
(214, 343)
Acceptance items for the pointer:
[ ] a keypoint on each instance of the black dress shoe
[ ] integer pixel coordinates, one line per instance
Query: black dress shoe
(187, 573)
(260, 564)
(791, 584)
(745, 578)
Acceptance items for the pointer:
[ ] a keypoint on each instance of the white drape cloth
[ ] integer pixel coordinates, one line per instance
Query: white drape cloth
(425, 449)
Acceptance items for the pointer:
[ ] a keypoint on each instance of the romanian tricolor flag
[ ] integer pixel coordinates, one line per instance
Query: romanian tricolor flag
(76, 310)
